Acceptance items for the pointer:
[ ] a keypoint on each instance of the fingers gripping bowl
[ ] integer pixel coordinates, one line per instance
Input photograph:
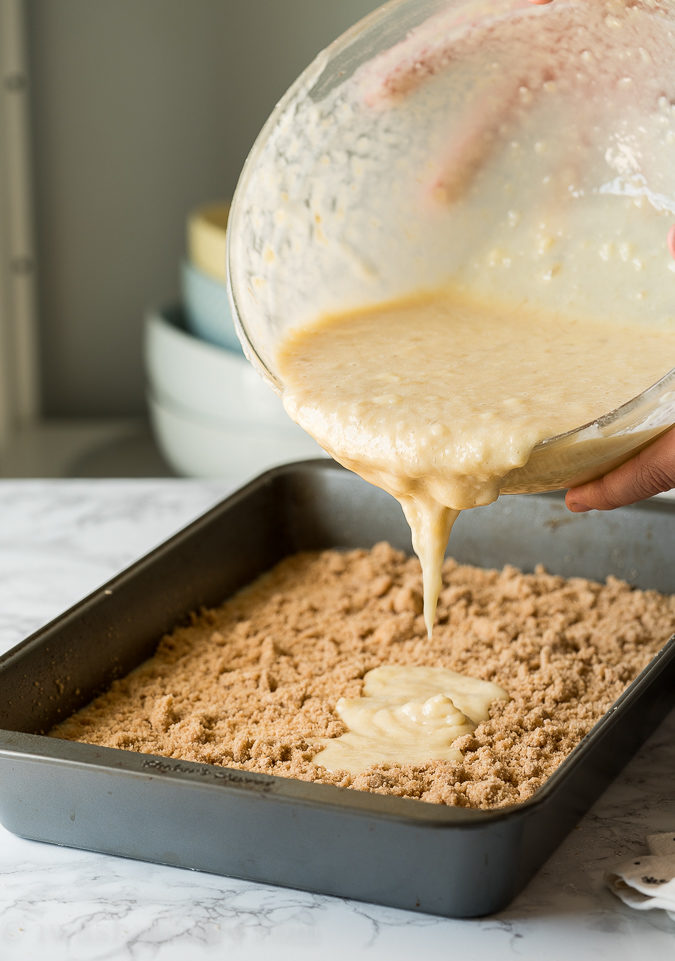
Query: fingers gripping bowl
(518, 150)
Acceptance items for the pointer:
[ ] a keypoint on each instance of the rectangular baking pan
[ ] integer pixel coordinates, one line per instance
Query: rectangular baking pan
(404, 853)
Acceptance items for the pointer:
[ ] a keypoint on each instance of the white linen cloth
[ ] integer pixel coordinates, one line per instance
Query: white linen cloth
(648, 881)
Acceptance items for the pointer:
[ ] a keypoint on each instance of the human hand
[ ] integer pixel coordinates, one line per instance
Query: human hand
(652, 471)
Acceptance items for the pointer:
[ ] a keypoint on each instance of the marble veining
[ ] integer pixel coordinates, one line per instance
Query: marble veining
(61, 539)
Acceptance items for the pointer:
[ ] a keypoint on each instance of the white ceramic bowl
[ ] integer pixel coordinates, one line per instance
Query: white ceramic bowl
(201, 447)
(205, 380)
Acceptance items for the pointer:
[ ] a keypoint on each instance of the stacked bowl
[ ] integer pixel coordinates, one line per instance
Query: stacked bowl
(211, 413)
(204, 277)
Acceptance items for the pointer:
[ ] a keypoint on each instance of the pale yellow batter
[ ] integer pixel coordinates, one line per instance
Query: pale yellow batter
(407, 715)
(436, 398)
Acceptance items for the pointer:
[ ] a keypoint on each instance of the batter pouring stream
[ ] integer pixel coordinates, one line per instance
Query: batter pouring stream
(437, 398)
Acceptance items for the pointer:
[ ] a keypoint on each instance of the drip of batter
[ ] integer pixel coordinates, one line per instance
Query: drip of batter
(437, 398)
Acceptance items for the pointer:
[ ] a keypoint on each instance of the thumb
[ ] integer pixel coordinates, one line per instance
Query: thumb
(652, 471)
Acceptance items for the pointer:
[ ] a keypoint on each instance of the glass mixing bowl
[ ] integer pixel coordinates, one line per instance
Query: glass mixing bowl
(521, 151)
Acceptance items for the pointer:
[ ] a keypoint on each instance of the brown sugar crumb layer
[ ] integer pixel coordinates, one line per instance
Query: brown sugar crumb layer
(252, 684)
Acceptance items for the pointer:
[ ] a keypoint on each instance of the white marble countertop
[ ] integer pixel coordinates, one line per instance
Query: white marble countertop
(61, 539)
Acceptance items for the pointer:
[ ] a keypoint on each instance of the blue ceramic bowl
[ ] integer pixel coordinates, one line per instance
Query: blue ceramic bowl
(207, 308)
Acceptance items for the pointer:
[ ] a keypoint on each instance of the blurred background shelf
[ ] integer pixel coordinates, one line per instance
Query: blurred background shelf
(101, 169)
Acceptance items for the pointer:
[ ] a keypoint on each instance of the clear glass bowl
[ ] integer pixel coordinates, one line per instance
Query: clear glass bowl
(345, 199)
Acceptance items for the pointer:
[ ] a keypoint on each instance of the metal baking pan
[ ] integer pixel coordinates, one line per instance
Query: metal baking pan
(404, 853)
